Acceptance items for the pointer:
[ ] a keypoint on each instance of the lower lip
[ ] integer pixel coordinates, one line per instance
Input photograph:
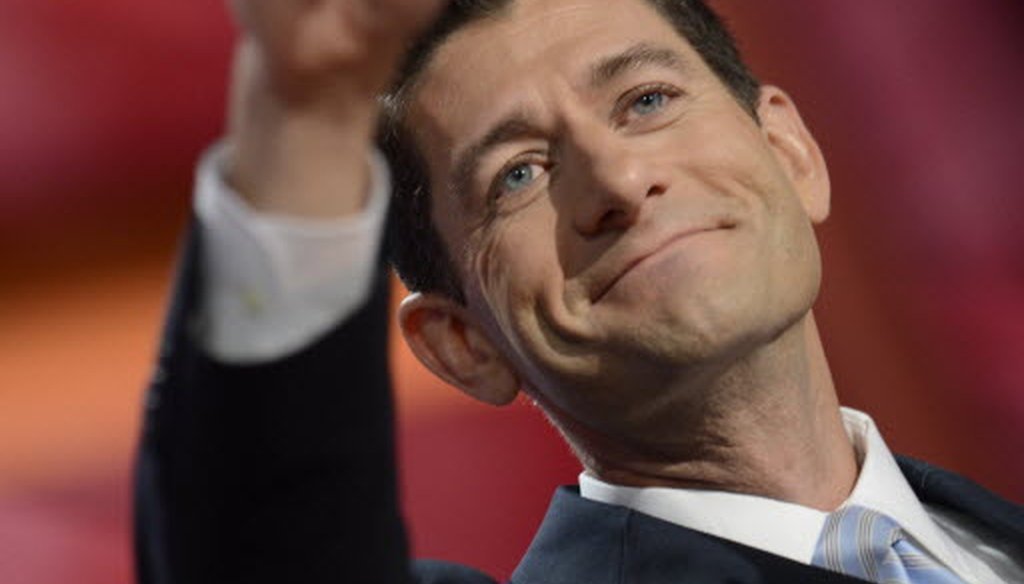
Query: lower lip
(689, 237)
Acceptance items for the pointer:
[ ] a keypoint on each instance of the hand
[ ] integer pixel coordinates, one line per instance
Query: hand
(304, 88)
(309, 45)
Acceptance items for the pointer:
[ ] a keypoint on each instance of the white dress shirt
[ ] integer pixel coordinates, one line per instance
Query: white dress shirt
(273, 284)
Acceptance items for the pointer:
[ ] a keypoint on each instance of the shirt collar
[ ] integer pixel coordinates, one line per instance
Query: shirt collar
(881, 486)
(782, 528)
(747, 519)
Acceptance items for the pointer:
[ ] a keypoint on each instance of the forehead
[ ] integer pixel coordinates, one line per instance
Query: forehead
(502, 63)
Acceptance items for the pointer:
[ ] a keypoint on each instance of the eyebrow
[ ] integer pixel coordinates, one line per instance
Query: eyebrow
(518, 125)
(635, 57)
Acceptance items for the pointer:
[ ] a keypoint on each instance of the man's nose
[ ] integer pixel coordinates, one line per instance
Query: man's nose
(610, 180)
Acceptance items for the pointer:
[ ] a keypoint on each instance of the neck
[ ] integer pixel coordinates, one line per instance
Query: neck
(769, 426)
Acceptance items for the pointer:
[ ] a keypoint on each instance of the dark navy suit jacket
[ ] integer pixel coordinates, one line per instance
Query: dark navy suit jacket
(285, 472)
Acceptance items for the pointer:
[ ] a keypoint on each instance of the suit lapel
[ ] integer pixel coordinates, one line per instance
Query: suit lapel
(939, 487)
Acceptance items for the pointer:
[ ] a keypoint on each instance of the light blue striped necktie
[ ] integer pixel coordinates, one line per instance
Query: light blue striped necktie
(859, 542)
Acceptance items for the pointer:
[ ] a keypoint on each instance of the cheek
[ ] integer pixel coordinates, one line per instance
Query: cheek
(494, 275)
(789, 256)
(508, 268)
(521, 283)
(516, 260)
(801, 255)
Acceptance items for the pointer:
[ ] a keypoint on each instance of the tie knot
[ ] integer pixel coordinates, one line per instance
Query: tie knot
(861, 542)
(869, 524)
(856, 539)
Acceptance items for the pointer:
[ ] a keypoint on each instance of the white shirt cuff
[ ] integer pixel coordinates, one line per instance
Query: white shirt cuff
(273, 284)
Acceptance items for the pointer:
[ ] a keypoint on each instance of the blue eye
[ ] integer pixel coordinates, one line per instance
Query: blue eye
(649, 103)
(518, 177)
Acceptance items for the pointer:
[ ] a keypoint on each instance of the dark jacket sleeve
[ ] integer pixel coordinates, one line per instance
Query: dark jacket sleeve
(280, 472)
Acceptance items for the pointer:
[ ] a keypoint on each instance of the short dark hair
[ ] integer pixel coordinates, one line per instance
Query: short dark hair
(416, 249)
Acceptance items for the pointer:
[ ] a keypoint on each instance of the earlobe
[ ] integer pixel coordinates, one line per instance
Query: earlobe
(796, 150)
(449, 343)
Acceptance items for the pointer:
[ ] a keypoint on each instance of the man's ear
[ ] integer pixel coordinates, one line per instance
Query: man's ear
(796, 150)
(448, 342)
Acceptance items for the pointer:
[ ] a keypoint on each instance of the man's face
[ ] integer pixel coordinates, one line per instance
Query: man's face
(621, 225)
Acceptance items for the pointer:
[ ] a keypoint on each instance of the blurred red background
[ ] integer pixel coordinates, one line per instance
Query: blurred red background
(105, 106)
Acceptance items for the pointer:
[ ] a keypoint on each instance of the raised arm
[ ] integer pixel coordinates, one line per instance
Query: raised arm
(283, 470)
